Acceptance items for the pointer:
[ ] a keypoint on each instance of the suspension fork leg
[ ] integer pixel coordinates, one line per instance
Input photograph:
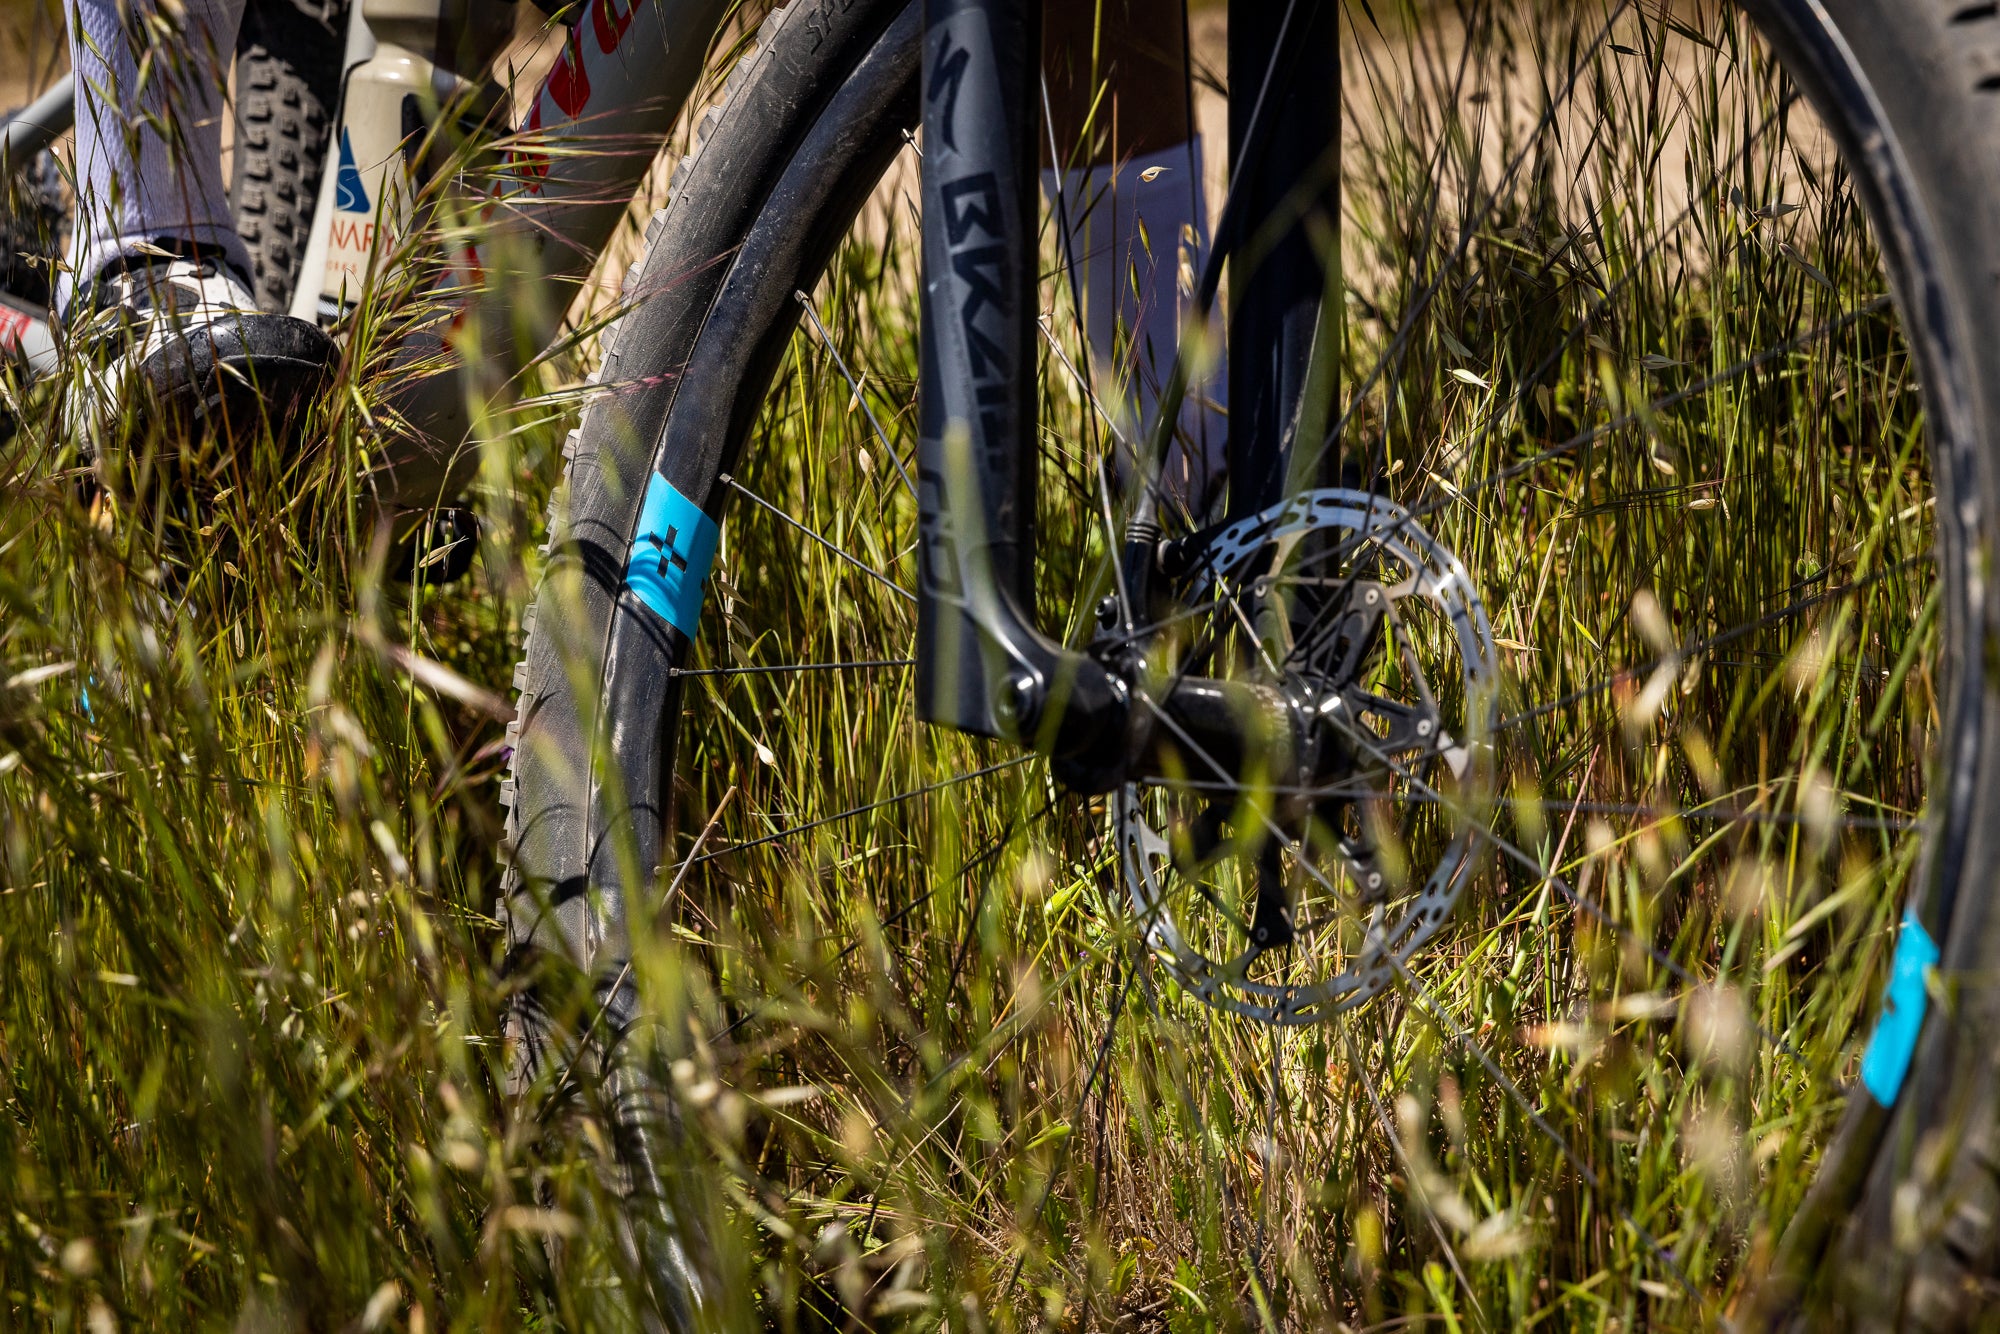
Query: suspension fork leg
(1287, 175)
(982, 666)
(977, 372)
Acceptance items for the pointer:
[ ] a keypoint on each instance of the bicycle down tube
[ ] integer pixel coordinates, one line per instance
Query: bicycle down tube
(594, 128)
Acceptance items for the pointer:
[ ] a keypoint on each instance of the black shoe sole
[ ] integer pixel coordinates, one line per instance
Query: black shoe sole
(241, 375)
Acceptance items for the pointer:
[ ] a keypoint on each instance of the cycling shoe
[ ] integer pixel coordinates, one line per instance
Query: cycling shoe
(185, 346)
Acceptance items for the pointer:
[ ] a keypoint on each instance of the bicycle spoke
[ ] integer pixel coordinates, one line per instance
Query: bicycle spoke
(1428, 293)
(1570, 336)
(849, 558)
(1698, 647)
(992, 849)
(1546, 875)
(1624, 421)
(1066, 244)
(1083, 385)
(1121, 988)
(897, 800)
(1189, 1104)
(1421, 1189)
(854, 387)
(1438, 1016)
(872, 664)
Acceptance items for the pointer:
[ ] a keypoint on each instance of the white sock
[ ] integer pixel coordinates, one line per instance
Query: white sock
(135, 182)
(1138, 243)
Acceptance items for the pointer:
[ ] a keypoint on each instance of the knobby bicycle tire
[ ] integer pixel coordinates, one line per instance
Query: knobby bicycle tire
(808, 123)
(288, 69)
(561, 856)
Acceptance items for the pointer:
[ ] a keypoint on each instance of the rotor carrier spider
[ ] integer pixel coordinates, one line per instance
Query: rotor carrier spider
(1349, 611)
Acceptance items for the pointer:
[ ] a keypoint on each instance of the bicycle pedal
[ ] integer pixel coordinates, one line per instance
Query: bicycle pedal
(433, 547)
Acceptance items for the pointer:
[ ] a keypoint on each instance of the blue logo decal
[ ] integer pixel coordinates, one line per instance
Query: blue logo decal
(1894, 1041)
(350, 193)
(670, 555)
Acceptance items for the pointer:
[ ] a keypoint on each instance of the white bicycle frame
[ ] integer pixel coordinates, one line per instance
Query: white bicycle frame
(599, 119)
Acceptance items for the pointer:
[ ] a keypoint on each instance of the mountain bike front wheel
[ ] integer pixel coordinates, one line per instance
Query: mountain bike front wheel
(1676, 389)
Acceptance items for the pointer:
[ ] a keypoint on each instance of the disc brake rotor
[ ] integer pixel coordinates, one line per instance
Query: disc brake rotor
(1292, 900)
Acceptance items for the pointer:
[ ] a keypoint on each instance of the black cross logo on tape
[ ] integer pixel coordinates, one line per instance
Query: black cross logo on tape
(668, 556)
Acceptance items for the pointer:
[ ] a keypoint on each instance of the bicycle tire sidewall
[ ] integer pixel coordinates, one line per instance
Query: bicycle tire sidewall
(561, 837)
(1905, 85)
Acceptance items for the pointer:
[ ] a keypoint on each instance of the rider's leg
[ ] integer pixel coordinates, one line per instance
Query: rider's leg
(150, 80)
(1131, 184)
(158, 294)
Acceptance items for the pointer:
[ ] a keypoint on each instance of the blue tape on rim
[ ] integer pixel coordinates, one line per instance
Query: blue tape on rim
(667, 565)
(1894, 1041)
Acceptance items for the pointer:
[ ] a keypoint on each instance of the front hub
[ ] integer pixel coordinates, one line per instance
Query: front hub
(1321, 761)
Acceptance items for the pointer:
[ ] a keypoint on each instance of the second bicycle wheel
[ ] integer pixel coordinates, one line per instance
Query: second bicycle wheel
(1554, 992)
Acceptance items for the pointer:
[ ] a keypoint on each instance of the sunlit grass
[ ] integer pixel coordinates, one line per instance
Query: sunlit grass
(1711, 596)
(250, 1034)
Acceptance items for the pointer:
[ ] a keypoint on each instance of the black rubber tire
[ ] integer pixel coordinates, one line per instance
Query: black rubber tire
(561, 830)
(34, 224)
(1917, 83)
(1913, 89)
(288, 67)
(569, 828)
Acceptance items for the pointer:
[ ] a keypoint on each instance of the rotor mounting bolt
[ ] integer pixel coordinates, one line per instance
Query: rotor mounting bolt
(1371, 597)
(1423, 727)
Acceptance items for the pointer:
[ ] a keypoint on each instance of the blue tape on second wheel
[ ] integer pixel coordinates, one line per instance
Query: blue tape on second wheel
(1887, 1059)
(667, 566)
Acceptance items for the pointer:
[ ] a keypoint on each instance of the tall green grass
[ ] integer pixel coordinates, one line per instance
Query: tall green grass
(1001, 1101)
(927, 1075)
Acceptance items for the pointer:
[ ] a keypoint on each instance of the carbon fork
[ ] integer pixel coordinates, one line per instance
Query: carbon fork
(983, 665)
